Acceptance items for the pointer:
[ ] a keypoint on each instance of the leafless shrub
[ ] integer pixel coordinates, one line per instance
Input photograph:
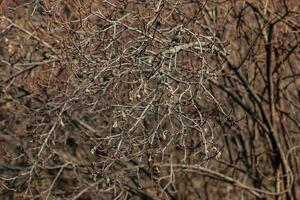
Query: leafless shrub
(147, 99)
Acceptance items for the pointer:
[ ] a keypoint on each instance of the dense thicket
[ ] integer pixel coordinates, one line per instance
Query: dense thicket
(149, 99)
